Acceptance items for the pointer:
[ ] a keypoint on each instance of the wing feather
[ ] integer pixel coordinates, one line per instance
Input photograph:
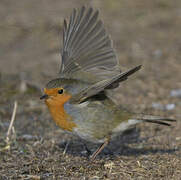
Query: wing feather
(87, 47)
(101, 86)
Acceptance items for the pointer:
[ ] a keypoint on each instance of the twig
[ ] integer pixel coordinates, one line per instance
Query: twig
(12, 121)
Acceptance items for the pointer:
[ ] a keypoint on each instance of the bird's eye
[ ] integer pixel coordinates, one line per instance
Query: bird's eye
(60, 91)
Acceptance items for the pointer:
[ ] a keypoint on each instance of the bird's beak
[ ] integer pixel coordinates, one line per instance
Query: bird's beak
(45, 96)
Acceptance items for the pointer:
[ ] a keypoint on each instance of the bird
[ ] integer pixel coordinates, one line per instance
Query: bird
(80, 99)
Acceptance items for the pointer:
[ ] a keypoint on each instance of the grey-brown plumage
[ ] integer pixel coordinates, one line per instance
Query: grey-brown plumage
(87, 49)
(80, 99)
(88, 55)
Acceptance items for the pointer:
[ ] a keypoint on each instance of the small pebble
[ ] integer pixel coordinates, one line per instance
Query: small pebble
(163, 107)
(175, 93)
(157, 53)
(28, 137)
(158, 106)
(170, 107)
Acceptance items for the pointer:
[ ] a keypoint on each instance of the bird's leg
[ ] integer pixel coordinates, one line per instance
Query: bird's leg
(66, 147)
(106, 142)
(87, 150)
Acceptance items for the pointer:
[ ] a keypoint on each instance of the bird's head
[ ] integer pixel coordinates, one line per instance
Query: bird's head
(57, 92)
(55, 96)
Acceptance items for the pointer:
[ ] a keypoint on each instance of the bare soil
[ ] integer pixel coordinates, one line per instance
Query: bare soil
(144, 32)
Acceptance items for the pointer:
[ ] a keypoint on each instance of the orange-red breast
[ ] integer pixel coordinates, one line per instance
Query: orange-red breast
(79, 100)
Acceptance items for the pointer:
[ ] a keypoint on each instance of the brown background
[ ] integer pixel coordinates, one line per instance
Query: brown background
(144, 32)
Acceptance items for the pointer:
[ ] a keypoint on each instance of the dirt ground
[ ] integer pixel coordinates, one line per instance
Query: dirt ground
(144, 32)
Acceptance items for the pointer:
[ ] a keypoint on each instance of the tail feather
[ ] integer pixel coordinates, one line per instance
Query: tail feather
(156, 120)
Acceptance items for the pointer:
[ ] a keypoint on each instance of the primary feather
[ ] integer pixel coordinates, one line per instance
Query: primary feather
(87, 49)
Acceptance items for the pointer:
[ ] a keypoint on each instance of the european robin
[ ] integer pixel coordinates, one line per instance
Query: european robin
(79, 100)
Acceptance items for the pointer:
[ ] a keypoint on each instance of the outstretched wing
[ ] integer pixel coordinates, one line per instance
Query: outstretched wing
(87, 49)
(102, 85)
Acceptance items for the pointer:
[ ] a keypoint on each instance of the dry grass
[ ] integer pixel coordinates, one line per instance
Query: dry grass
(144, 33)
